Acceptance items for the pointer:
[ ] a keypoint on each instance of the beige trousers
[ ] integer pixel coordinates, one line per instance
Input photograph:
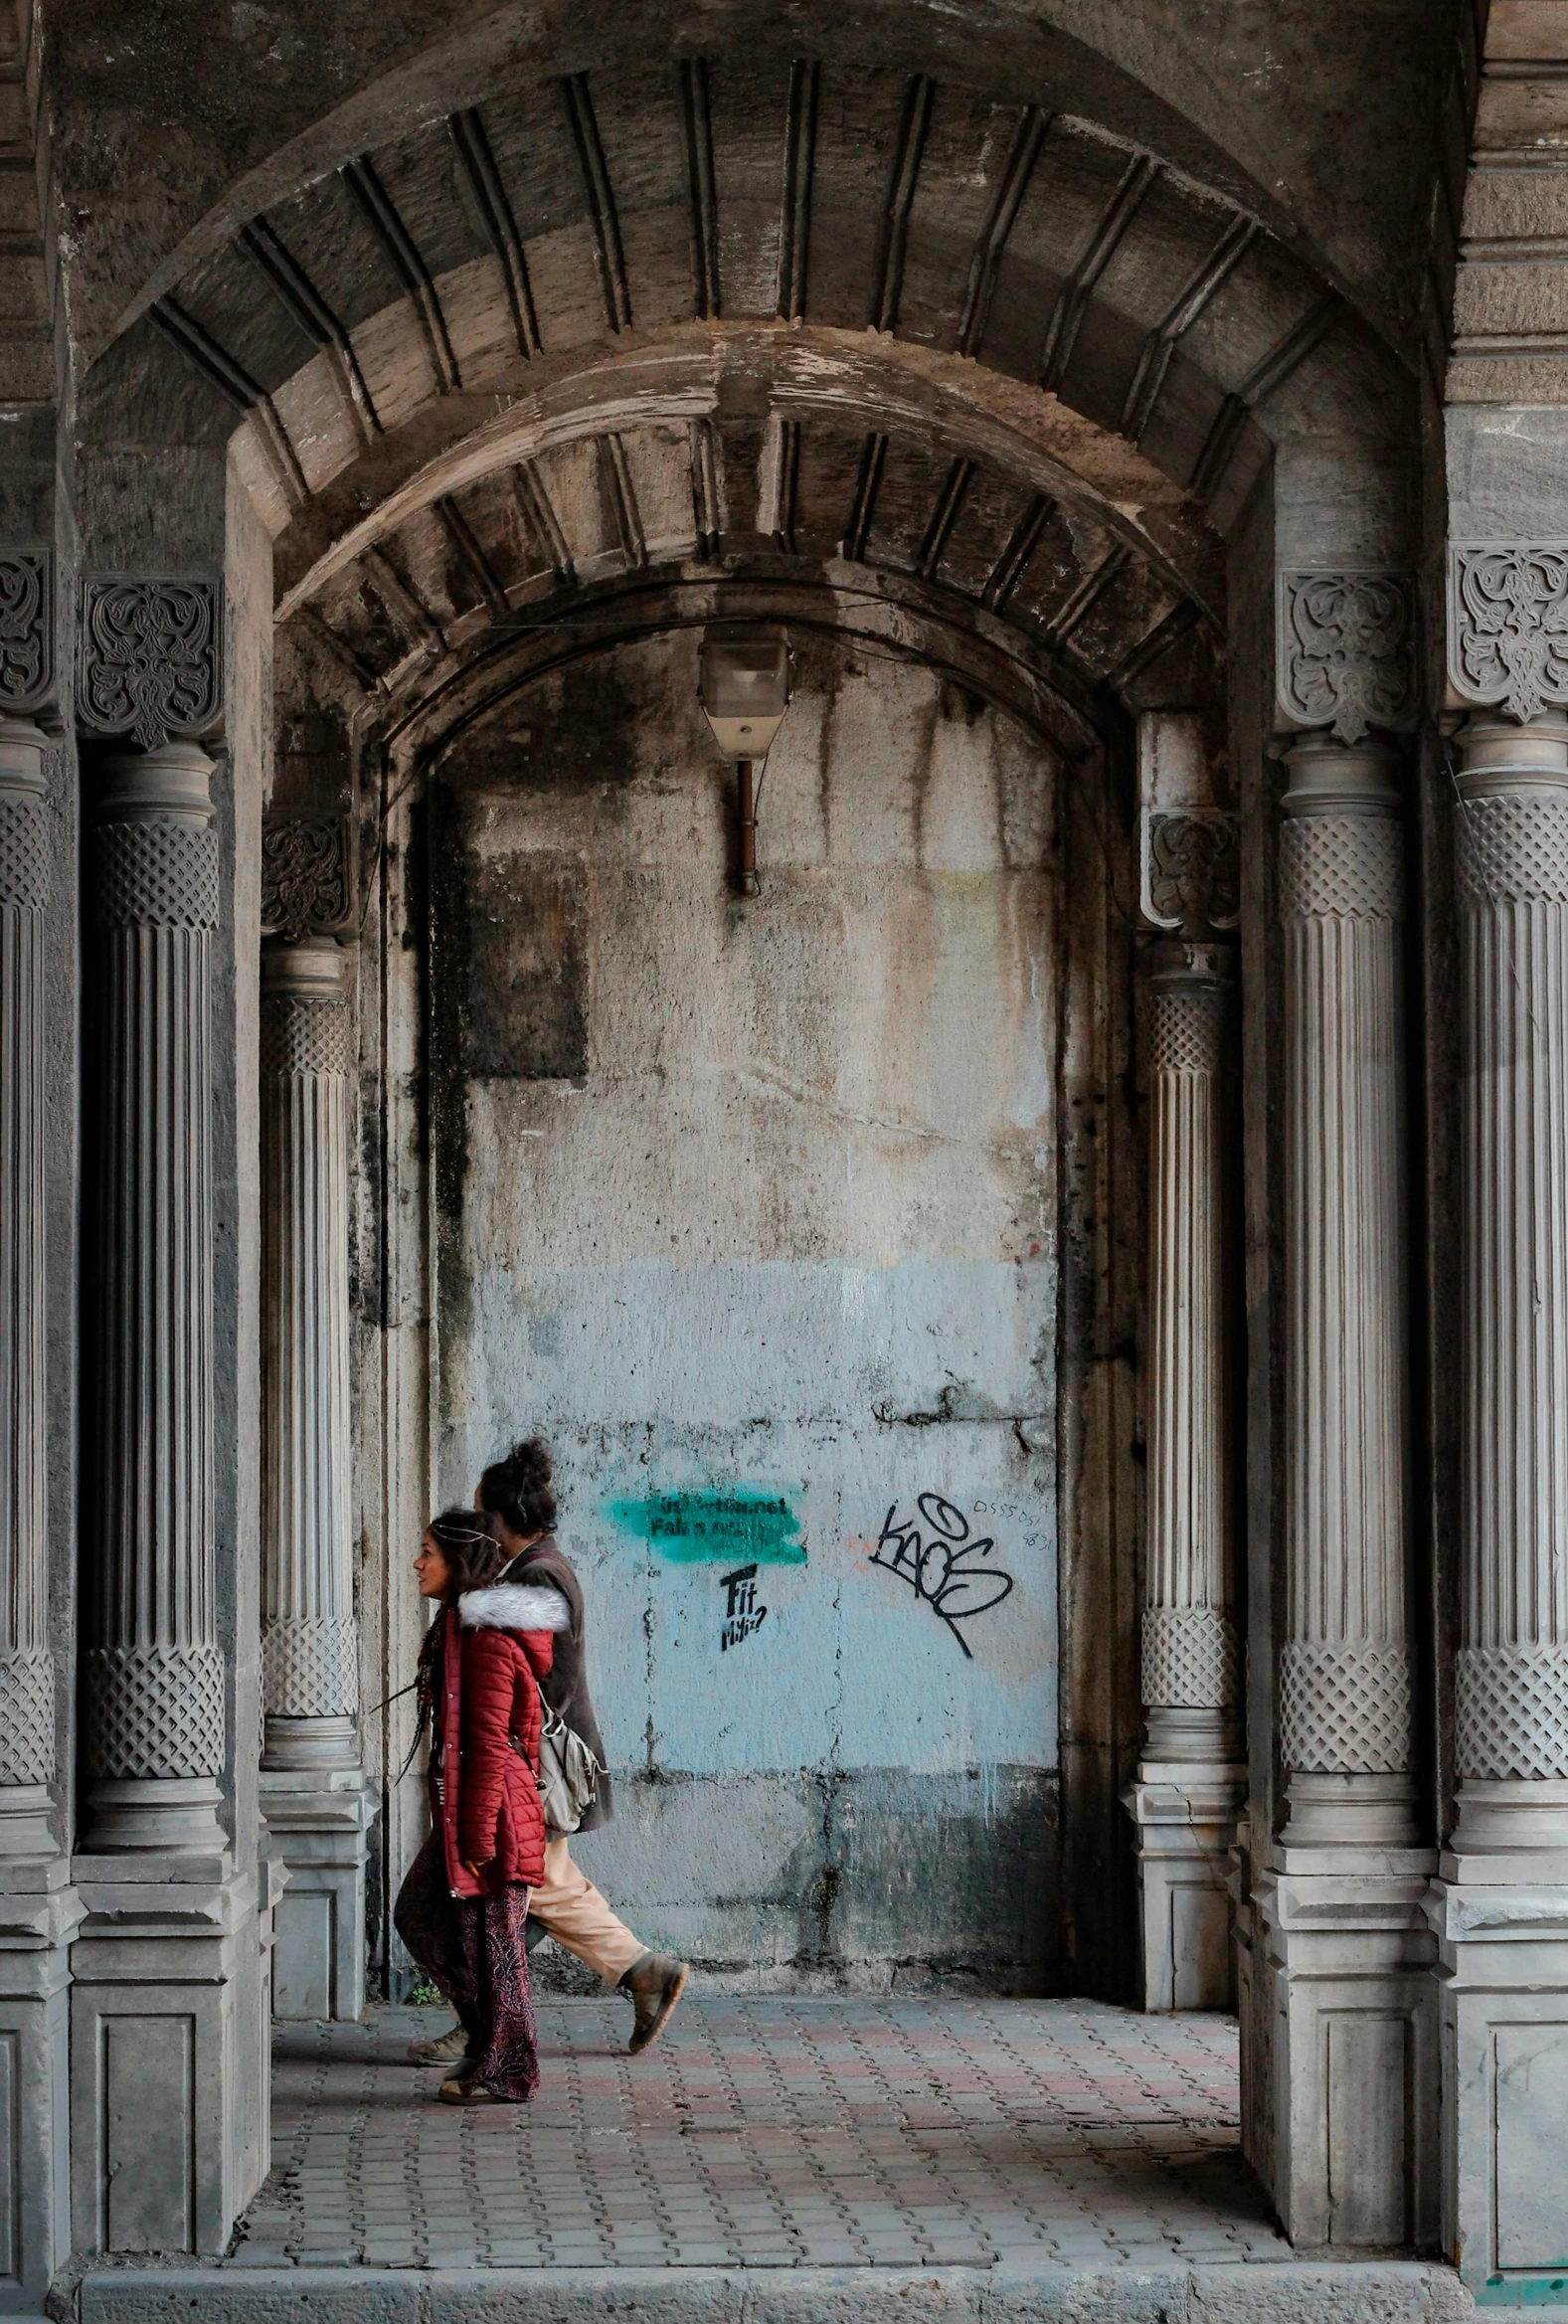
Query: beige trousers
(576, 1916)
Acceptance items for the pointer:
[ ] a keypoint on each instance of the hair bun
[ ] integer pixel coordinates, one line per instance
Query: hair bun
(518, 1488)
(530, 1463)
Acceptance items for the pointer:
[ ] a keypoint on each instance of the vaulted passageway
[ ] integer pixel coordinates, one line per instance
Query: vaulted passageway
(1089, 1155)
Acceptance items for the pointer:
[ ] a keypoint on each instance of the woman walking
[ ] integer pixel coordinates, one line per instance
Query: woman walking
(462, 1907)
(516, 1495)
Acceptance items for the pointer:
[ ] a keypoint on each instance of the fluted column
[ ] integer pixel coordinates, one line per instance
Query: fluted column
(309, 1652)
(1191, 1776)
(154, 1676)
(1346, 1682)
(1190, 1688)
(1512, 1670)
(27, 1689)
(312, 1788)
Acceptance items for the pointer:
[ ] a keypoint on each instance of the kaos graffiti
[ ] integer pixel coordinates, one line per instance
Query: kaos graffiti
(934, 1552)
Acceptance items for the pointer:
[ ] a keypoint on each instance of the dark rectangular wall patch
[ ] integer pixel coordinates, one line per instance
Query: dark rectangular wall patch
(526, 1013)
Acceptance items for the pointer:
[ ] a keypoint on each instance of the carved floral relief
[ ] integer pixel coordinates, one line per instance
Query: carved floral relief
(27, 631)
(1509, 624)
(1191, 871)
(149, 657)
(307, 887)
(1347, 651)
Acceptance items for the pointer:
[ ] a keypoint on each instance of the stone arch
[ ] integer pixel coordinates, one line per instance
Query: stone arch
(516, 209)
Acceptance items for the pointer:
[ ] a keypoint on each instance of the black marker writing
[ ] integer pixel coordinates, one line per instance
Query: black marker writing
(933, 1553)
(742, 1613)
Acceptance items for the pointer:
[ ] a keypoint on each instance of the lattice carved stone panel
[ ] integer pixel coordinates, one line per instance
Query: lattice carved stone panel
(26, 1716)
(1345, 867)
(1190, 1660)
(155, 1711)
(161, 874)
(24, 853)
(1186, 1030)
(1512, 1705)
(300, 1035)
(310, 1669)
(1346, 1709)
(1512, 852)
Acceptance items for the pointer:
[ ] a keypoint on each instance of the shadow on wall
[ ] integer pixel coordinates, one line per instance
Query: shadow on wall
(887, 1880)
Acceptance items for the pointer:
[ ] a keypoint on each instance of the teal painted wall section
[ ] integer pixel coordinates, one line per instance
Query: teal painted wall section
(715, 1526)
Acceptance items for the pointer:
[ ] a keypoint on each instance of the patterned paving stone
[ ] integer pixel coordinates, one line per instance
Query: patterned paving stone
(773, 2133)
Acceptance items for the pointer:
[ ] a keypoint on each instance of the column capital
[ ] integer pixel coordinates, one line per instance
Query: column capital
(315, 968)
(1332, 777)
(1179, 966)
(172, 783)
(1501, 759)
(21, 748)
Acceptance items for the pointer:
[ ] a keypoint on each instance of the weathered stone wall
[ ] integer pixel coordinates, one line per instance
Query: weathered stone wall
(750, 1207)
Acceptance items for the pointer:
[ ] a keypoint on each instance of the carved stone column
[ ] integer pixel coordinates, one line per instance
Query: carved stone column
(154, 1676)
(1345, 1690)
(1512, 1670)
(39, 1909)
(1192, 1778)
(27, 1676)
(1349, 1948)
(1500, 1906)
(313, 1791)
(167, 2005)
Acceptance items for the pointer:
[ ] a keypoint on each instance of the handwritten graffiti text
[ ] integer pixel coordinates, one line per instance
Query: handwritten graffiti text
(742, 1613)
(935, 1554)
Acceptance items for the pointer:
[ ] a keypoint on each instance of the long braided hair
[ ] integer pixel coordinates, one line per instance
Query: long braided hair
(470, 1541)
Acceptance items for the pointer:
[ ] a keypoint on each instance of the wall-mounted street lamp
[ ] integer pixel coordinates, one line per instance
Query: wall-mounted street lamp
(743, 675)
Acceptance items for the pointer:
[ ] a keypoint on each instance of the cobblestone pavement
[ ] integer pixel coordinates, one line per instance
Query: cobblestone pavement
(774, 2133)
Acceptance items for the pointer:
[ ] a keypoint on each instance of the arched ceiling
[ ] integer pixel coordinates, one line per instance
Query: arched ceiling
(746, 309)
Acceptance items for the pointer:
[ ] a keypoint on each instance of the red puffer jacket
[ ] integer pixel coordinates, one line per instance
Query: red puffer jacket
(496, 1647)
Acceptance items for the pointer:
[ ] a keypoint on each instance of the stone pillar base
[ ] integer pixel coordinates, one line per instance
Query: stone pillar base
(39, 1912)
(1502, 1929)
(25, 1810)
(169, 2052)
(319, 1825)
(1184, 1815)
(1347, 1955)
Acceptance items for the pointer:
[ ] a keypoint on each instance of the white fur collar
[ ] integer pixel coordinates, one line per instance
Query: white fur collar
(514, 1606)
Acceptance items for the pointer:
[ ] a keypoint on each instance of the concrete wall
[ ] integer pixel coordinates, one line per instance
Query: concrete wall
(750, 1208)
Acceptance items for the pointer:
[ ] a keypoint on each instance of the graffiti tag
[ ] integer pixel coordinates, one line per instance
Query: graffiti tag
(933, 1552)
(742, 1613)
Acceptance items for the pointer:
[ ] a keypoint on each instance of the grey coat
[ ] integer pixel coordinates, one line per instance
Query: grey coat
(566, 1687)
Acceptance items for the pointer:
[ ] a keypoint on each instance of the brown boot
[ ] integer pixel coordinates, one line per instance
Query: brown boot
(450, 2050)
(655, 1983)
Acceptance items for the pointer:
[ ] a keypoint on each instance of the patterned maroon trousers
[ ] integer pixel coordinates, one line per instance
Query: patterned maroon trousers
(473, 1948)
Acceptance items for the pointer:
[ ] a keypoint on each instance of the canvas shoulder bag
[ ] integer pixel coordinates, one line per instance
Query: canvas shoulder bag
(569, 1773)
